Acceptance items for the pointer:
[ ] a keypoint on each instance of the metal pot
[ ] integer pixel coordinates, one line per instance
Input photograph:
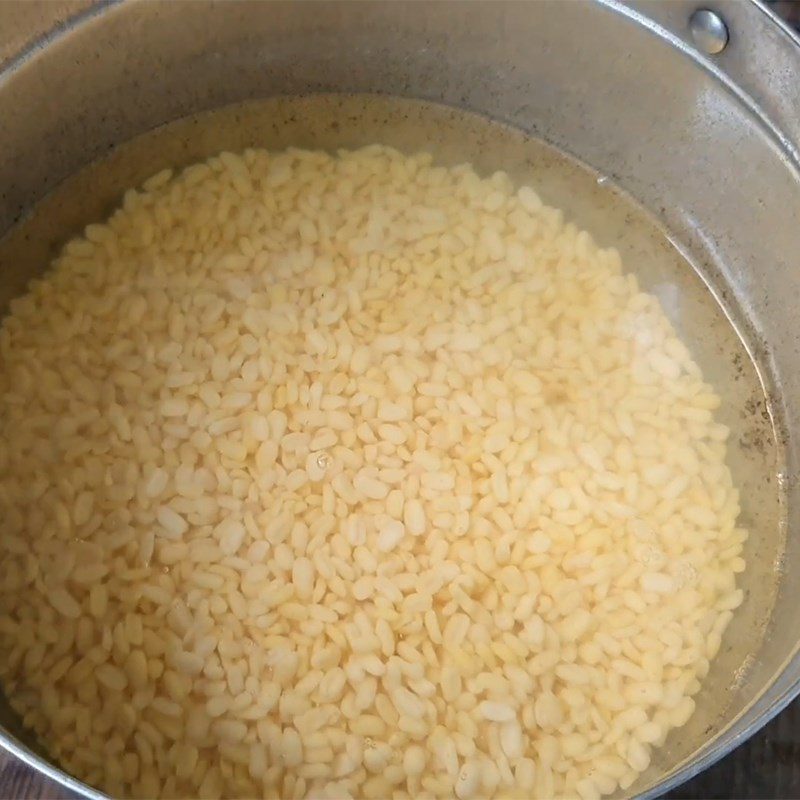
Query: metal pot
(695, 117)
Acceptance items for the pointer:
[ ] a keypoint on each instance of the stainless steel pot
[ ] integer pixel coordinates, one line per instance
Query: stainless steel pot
(698, 121)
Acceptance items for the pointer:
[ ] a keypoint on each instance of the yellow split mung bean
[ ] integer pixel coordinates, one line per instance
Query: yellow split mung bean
(354, 476)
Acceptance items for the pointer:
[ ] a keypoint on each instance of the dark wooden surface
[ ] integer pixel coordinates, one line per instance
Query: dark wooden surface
(767, 767)
(788, 9)
(17, 781)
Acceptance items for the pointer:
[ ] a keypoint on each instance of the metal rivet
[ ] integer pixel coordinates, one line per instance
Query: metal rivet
(709, 32)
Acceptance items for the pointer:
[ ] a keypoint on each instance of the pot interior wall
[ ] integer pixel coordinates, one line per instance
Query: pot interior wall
(331, 121)
(519, 63)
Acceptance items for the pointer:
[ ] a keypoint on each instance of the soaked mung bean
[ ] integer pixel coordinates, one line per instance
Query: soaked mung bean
(354, 476)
